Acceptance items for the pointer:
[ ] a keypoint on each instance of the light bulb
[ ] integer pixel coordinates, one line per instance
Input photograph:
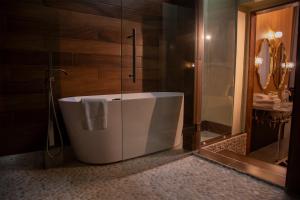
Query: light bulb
(258, 60)
(278, 34)
(208, 37)
(288, 65)
(270, 35)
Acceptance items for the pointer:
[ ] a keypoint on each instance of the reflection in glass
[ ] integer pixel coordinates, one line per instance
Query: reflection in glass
(219, 67)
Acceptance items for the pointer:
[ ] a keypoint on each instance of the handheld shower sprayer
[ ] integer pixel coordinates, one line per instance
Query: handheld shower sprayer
(52, 112)
(53, 70)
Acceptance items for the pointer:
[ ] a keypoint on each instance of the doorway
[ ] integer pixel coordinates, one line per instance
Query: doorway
(268, 78)
(271, 85)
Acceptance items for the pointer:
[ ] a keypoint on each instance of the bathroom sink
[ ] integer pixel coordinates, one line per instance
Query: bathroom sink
(287, 105)
(284, 107)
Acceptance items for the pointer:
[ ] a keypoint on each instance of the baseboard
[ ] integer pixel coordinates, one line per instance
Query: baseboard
(216, 127)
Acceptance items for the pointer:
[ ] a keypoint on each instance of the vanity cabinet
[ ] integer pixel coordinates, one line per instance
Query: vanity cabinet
(264, 132)
(267, 127)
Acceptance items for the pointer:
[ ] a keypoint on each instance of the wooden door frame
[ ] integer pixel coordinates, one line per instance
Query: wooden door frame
(293, 174)
(250, 84)
(199, 56)
(251, 63)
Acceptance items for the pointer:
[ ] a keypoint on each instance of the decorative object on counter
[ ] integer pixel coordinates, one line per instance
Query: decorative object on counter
(264, 62)
(285, 94)
(267, 101)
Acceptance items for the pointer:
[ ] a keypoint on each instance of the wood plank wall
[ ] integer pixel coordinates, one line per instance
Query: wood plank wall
(279, 20)
(87, 38)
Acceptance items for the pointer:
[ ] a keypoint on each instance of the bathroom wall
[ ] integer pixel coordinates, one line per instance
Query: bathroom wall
(85, 38)
(238, 106)
(279, 20)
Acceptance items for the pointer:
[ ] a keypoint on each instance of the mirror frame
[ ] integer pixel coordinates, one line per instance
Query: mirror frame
(271, 52)
(283, 75)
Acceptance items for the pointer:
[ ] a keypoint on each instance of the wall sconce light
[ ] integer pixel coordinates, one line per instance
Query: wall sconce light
(258, 61)
(189, 65)
(270, 35)
(278, 34)
(288, 65)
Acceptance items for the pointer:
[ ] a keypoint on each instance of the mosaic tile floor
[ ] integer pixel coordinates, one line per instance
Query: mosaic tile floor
(166, 175)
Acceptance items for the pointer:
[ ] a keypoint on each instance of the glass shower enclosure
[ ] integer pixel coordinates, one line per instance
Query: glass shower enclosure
(157, 55)
(218, 71)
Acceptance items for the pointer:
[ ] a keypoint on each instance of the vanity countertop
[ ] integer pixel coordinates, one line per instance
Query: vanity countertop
(284, 107)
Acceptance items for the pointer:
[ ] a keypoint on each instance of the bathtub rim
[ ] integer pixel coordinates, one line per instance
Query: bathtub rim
(122, 97)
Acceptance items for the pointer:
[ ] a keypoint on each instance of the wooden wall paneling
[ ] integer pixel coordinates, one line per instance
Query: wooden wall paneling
(6, 120)
(24, 57)
(22, 102)
(23, 87)
(83, 73)
(71, 29)
(48, 22)
(144, 7)
(278, 20)
(85, 43)
(87, 87)
(251, 73)
(110, 74)
(81, 59)
(141, 51)
(85, 38)
(24, 143)
(109, 9)
(147, 63)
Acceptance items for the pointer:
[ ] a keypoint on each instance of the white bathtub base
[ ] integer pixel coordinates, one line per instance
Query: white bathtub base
(152, 122)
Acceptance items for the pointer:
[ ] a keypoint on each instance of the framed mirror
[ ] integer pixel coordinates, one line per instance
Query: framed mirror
(279, 72)
(264, 68)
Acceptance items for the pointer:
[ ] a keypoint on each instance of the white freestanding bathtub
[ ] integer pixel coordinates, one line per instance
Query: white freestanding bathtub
(137, 124)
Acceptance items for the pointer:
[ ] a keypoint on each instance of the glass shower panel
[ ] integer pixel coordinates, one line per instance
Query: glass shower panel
(219, 67)
(158, 40)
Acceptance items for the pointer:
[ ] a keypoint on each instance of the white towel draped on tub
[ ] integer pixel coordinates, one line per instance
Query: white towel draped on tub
(94, 113)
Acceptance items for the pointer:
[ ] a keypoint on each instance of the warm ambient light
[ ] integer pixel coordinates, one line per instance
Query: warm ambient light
(270, 35)
(273, 35)
(208, 37)
(258, 61)
(288, 65)
(189, 65)
(278, 34)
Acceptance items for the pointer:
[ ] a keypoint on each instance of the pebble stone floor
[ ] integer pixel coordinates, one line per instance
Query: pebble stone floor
(164, 175)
